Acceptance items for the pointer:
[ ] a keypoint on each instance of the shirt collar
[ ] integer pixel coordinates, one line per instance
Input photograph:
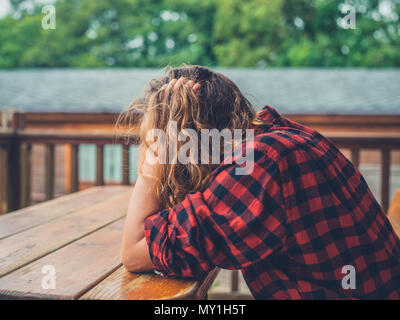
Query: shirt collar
(268, 117)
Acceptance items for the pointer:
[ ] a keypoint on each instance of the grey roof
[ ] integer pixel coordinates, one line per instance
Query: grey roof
(333, 91)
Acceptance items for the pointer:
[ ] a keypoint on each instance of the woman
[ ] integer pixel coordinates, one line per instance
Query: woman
(301, 224)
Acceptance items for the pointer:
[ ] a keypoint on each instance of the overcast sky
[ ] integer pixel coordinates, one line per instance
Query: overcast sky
(4, 7)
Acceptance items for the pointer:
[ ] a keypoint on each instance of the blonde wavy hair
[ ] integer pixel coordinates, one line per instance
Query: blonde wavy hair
(217, 104)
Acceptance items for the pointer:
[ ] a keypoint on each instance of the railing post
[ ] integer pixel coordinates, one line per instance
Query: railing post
(49, 169)
(355, 157)
(99, 165)
(4, 178)
(125, 164)
(385, 179)
(25, 174)
(234, 281)
(74, 179)
(14, 174)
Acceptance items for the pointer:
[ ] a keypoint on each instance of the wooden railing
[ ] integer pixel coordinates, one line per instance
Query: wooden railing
(15, 161)
(385, 143)
(16, 145)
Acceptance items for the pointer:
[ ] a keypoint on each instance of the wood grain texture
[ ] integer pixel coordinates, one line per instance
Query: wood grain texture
(204, 285)
(26, 163)
(74, 168)
(99, 165)
(49, 171)
(385, 178)
(3, 179)
(123, 285)
(22, 248)
(125, 164)
(32, 216)
(79, 266)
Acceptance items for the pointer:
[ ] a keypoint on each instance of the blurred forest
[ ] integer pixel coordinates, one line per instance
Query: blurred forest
(238, 33)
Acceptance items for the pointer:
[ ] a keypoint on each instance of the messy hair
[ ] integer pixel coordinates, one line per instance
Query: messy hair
(217, 104)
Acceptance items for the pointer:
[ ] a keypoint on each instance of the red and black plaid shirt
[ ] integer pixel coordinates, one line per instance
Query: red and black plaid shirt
(291, 225)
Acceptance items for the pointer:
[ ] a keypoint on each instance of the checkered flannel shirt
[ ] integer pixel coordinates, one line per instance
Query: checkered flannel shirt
(293, 225)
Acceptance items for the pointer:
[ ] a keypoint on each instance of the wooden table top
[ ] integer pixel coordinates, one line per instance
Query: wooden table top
(75, 240)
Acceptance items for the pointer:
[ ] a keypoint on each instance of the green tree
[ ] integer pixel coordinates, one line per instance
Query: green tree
(248, 33)
(153, 33)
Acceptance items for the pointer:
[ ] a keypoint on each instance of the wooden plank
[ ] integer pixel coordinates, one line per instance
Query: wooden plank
(202, 291)
(385, 176)
(125, 164)
(22, 248)
(25, 174)
(49, 171)
(99, 165)
(234, 280)
(14, 176)
(78, 267)
(68, 118)
(381, 122)
(3, 178)
(74, 177)
(355, 157)
(344, 139)
(75, 137)
(33, 216)
(123, 285)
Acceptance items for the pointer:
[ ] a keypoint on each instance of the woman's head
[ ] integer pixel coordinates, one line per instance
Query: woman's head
(217, 103)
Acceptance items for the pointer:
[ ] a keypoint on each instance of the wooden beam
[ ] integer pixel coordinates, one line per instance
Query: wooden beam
(355, 157)
(25, 174)
(234, 281)
(21, 248)
(99, 165)
(385, 178)
(49, 171)
(74, 176)
(3, 178)
(74, 137)
(125, 164)
(35, 215)
(14, 174)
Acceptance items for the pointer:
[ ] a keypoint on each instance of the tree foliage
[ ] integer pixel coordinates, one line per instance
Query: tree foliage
(153, 33)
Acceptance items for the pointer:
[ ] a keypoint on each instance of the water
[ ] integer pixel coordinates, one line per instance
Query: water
(112, 163)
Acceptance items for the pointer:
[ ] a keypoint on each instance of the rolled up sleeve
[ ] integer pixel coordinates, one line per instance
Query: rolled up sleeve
(174, 240)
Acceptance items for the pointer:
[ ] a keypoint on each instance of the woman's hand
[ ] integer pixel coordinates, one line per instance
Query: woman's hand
(176, 83)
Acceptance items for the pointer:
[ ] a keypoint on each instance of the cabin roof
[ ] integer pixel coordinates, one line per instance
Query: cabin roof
(326, 91)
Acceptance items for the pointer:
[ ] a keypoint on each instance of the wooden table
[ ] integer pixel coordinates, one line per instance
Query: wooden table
(75, 240)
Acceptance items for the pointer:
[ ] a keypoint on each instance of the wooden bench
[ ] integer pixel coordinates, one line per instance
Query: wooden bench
(77, 239)
(394, 212)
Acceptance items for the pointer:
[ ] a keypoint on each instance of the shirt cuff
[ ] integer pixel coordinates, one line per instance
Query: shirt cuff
(156, 234)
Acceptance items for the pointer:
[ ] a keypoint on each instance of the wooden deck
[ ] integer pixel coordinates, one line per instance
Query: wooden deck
(76, 240)
(46, 148)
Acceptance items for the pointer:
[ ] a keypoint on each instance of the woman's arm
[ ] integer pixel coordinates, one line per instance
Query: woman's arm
(143, 203)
